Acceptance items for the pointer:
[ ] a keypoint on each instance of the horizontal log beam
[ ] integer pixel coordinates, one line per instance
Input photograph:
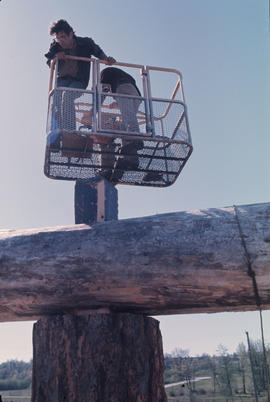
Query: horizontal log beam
(186, 262)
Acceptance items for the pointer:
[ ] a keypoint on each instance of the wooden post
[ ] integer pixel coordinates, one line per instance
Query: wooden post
(96, 200)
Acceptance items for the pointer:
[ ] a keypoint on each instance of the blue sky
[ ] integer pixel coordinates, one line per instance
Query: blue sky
(222, 49)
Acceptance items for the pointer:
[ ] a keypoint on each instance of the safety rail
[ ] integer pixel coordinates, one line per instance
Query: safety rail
(87, 131)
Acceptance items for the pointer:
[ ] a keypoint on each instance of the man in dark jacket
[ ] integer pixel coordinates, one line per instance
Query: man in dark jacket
(71, 73)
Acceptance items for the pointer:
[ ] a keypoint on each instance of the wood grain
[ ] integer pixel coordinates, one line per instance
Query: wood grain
(184, 262)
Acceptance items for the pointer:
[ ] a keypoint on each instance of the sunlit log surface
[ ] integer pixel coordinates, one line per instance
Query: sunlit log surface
(185, 262)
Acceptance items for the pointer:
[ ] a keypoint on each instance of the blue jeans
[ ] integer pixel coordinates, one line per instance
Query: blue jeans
(66, 116)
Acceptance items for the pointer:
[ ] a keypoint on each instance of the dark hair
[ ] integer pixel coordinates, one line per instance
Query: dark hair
(59, 26)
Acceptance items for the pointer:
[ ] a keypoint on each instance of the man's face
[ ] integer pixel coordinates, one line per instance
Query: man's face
(64, 40)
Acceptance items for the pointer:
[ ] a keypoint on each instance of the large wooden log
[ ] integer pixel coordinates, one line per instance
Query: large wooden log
(186, 262)
(99, 357)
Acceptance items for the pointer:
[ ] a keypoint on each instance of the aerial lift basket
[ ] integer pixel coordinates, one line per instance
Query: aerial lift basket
(136, 140)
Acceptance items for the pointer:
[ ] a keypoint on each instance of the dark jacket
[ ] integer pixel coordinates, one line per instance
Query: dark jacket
(86, 47)
(115, 77)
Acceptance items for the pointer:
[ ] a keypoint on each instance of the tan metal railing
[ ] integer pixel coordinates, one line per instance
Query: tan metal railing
(148, 117)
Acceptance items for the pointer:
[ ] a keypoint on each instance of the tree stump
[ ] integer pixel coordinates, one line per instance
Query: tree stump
(98, 358)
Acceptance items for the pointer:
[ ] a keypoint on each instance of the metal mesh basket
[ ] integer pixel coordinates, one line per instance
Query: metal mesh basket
(84, 141)
(126, 139)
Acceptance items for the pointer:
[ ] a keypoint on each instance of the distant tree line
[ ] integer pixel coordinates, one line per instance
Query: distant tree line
(230, 373)
(15, 374)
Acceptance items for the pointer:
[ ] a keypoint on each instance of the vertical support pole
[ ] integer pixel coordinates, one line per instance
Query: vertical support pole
(150, 101)
(98, 96)
(252, 368)
(96, 200)
(146, 100)
(94, 89)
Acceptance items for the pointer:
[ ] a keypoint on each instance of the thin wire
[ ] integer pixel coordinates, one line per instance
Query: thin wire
(252, 274)
(250, 271)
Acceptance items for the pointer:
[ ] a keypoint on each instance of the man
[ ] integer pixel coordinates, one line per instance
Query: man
(123, 83)
(71, 73)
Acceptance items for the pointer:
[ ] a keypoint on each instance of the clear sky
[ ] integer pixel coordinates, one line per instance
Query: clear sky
(222, 49)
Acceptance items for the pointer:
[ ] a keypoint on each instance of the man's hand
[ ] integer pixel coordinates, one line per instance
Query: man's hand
(110, 60)
(60, 55)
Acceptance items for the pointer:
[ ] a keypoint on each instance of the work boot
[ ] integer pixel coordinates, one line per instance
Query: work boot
(153, 176)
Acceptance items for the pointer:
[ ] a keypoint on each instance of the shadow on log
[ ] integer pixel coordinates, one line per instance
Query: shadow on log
(99, 357)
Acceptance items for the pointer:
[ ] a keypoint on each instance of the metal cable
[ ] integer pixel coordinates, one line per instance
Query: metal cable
(250, 271)
(252, 274)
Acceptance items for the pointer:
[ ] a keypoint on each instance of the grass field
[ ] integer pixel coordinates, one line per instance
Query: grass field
(204, 393)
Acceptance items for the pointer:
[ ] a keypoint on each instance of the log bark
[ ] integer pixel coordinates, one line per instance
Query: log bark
(186, 262)
(99, 357)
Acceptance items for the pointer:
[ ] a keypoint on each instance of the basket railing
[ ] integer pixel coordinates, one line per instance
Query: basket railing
(147, 117)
